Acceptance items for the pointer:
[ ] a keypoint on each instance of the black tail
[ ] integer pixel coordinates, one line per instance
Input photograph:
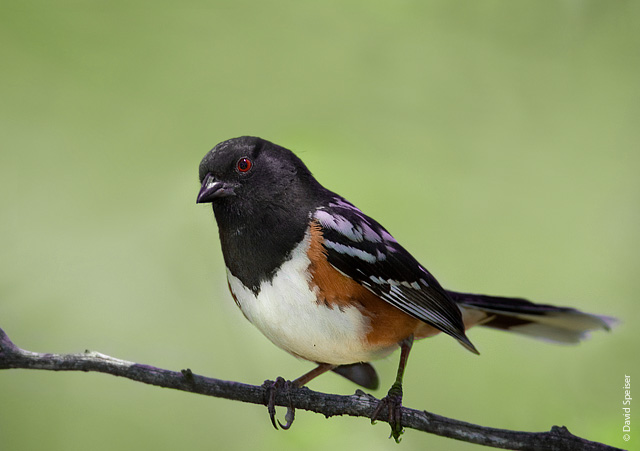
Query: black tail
(547, 322)
(363, 374)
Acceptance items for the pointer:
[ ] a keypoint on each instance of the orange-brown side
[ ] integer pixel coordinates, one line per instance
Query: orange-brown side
(388, 325)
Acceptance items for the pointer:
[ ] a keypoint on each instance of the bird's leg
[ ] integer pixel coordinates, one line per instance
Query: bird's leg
(317, 371)
(272, 388)
(393, 400)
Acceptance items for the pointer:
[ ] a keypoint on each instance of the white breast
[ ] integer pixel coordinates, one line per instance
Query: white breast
(287, 313)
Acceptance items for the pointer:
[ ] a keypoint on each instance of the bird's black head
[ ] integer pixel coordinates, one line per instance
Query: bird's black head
(251, 170)
(262, 197)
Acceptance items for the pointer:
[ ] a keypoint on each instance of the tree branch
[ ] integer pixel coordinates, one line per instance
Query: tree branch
(358, 405)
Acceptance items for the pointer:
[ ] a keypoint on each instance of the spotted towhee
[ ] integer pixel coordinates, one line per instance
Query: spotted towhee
(328, 284)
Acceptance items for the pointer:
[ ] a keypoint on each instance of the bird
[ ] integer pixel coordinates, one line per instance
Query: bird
(330, 285)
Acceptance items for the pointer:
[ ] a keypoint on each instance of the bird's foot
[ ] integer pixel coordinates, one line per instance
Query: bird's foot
(393, 404)
(271, 391)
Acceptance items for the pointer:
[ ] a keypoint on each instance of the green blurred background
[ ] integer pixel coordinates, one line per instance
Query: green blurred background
(497, 140)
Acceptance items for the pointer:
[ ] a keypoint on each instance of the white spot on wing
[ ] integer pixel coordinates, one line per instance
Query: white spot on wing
(394, 283)
(362, 229)
(370, 234)
(387, 236)
(351, 251)
(339, 224)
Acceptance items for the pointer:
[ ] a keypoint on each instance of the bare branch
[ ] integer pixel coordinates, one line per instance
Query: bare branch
(358, 405)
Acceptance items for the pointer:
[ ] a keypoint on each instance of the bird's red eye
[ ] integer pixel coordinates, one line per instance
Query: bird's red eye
(244, 164)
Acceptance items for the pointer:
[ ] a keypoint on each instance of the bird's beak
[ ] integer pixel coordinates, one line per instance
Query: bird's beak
(213, 189)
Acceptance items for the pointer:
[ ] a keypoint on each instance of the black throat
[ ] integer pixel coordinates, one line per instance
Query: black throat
(257, 241)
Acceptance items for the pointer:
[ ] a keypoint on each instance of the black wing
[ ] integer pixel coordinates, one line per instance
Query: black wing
(362, 249)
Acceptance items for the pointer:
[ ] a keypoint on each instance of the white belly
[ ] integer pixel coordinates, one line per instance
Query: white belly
(287, 313)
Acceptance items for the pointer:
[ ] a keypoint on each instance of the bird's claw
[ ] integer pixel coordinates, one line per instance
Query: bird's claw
(393, 403)
(272, 388)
